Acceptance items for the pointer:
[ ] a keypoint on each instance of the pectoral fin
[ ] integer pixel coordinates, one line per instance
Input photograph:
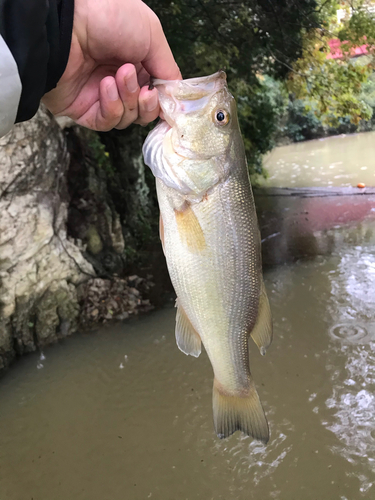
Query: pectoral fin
(239, 413)
(188, 340)
(189, 229)
(262, 331)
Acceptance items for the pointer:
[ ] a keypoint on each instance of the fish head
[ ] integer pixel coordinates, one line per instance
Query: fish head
(194, 142)
(200, 111)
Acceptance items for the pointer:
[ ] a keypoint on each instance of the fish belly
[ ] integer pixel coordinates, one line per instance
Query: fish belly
(218, 282)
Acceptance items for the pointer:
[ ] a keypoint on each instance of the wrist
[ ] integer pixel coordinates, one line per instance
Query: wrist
(60, 46)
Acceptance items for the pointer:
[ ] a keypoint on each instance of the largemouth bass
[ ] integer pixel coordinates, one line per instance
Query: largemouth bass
(210, 237)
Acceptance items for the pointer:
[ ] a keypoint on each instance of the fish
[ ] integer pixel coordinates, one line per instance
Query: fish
(211, 241)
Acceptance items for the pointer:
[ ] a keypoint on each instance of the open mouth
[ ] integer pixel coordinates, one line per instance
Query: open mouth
(189, 84)
(187, 96)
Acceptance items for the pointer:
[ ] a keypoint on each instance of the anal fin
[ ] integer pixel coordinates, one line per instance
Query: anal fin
(262, 332)
(239, 413)
(188, 340)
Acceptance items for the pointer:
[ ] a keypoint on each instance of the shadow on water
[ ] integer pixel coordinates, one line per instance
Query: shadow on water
(122, 414)
(295, 227)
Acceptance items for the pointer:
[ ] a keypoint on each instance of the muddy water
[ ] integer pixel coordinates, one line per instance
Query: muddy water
(294, 227)
(333, 161)
(122, 414)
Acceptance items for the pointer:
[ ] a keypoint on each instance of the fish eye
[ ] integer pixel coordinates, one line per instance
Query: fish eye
(221, 117)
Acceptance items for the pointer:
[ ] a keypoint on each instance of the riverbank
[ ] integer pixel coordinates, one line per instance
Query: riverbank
(78, 217)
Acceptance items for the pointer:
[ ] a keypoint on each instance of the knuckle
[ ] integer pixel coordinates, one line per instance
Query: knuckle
(126, 121)
(102, 127)
(104, 124)
(155, 21)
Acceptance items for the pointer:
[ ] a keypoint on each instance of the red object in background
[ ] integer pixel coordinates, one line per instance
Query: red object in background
(336, 52)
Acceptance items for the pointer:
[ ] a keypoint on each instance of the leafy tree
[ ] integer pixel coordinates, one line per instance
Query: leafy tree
(246, 37)
(249, 39)
(302, 124)
(336, 86)
(286, 40)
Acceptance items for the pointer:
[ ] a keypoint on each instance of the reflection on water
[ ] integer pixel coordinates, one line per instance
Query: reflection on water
(123, 414)
(296, 227)
(353, 406)
(352, 401)
(343, 160)
(353, 297)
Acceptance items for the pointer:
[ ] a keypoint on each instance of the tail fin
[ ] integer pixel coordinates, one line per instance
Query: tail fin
(234, 413)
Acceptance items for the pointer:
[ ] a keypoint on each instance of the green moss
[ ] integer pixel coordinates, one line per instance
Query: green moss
(99, 154)
(94, 242)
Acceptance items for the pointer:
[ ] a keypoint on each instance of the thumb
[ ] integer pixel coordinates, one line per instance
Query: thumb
(159, 62)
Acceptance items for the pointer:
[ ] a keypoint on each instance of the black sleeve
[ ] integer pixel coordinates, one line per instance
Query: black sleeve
(38, 34)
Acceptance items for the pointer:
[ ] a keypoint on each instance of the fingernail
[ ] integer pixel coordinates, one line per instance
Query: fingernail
(112, 92)
(131, 83)
(151, 102)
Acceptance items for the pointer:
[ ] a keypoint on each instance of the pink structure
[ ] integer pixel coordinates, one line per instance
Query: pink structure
(336, 52)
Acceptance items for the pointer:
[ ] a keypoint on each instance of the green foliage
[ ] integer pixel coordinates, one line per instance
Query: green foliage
(335, 88)
(286, 40)
(247, 39)
(302, 122)
(335, 85)
(368, 95)
(243, 37)
(99, 153)
(260, 108)
(359, 27)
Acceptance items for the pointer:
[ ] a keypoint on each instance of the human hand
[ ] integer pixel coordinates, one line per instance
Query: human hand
(116, 46)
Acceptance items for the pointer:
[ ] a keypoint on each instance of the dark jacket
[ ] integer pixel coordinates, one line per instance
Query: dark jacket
(35, 37)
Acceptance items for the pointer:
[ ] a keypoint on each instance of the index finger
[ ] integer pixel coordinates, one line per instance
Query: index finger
(159, 62)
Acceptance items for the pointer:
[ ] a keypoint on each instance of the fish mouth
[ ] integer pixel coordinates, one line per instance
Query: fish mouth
(186, 96)
(194, 88)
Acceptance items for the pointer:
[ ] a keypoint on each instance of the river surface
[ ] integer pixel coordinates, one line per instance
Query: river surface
(122, 414)
(344, 160)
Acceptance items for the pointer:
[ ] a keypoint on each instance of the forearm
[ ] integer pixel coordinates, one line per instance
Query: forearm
(37, 36)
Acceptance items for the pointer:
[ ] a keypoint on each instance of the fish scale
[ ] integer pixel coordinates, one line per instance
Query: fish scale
(211, 242)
